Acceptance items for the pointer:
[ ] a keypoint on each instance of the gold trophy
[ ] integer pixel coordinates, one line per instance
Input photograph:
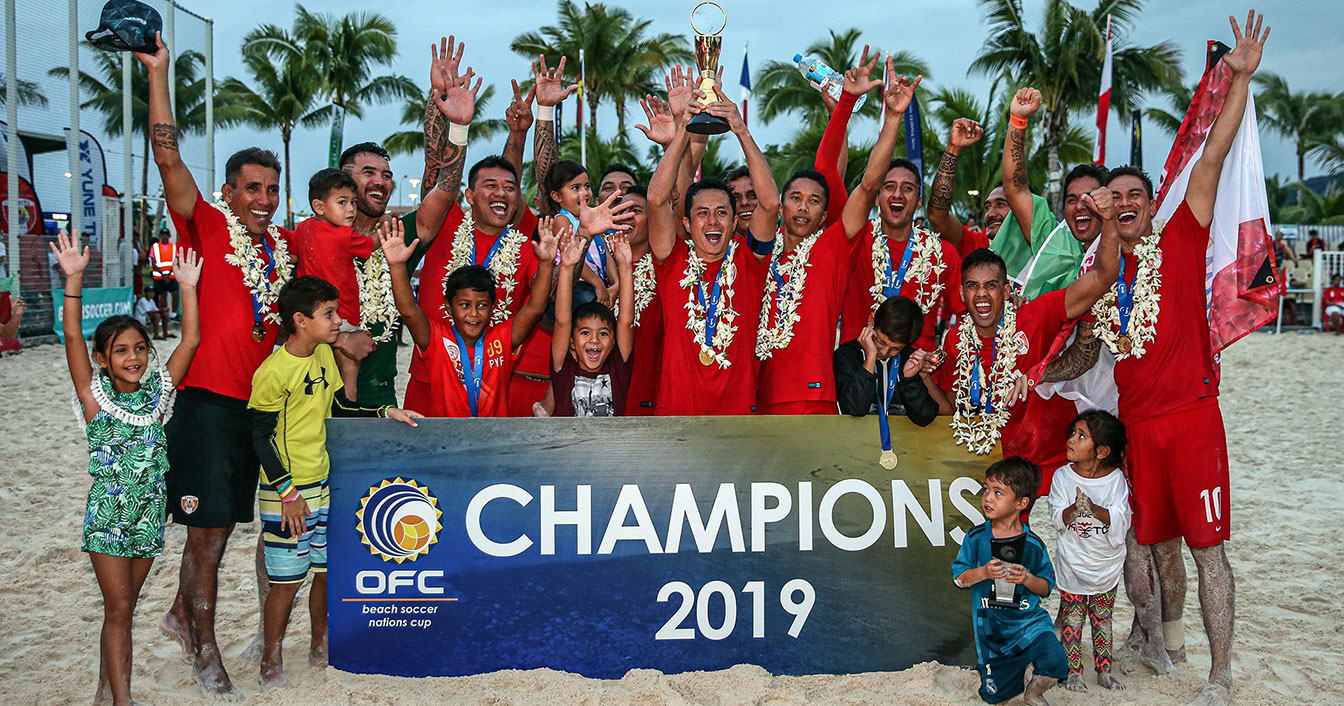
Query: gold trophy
(707, 47)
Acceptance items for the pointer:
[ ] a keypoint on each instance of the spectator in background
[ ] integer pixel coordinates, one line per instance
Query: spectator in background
(1281, 250)
(1333, 301)
(12, 314)
(1314, 242)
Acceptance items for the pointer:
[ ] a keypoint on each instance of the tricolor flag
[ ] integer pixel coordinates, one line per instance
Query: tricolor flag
(1103, 101)
(745, 82)
(1243, 288)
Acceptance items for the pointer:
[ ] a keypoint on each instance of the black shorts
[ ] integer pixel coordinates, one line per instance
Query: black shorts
(165, 286)
(213, 469)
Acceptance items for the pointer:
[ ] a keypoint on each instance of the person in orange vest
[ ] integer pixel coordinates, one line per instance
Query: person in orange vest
(165, 285)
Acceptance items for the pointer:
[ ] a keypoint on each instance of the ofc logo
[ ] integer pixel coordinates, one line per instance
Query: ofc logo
(398, 520)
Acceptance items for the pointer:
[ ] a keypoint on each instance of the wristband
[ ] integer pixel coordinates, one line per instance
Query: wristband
(382, 411)
(1017, 121)
(291, 498)
(546, 112)
(74, 296)
(457, 134)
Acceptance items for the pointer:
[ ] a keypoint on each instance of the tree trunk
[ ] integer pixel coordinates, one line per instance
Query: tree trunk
(1054, 133)
(620, 119)
(592, 111)
(1301, 172)
(289, 192)
(144, 191)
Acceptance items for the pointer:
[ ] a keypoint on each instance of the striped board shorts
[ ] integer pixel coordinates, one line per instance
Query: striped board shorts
(289, 559)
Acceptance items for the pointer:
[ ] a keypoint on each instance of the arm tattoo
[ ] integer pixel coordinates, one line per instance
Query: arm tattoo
(1016, 138)
(674, 199)
(544, 154)
(940, 194)
(164, 135)
(1077, 359)
(436, 142)
(450, 174)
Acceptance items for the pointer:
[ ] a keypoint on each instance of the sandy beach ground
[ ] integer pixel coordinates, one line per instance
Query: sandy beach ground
(1281, 398)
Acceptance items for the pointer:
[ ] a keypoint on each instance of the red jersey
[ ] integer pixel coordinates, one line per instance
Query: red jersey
(327, 251)
(227, 356)
(443, 365)
(972, 240)
(1037, 427)
(926, 274)
(686, 386)
(801, 371)
(1177, 367)
(1332, 295)
(641, 398)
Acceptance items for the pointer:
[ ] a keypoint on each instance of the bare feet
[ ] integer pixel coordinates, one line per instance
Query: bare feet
(1075, 683)
(210, 674)
(103, 697)
(1177, 656)
(274, 678)
(175, 627)
(1158, 660)
(1107, 681)
(317, 656)
(1036, 688)
(1213, 695)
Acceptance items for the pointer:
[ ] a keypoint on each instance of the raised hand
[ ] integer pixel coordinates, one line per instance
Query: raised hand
(458, 100)
(547, 244)
(725, 108)
(604, 216)
(440, 57)
(392, 240)
(572, 247)
(19, 307)
(914, 365)
(72, 259)
(1245, 57)
(1025, 103)
(158, 61)
(868, 342)
(549, 87)
(518, 116)
(898, 96)
(619, 244)
(187, 267)
(1101, 203)
(662, 127)
(965, 132)
(680, 90)
(859, 79)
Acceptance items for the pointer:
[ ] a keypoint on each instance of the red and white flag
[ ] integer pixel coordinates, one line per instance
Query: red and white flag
(1103, 101)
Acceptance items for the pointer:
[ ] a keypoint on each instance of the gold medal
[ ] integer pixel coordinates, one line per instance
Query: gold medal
(705, 357)
(939, 356)
(888, 459)
(1123, 344)
(258, 332)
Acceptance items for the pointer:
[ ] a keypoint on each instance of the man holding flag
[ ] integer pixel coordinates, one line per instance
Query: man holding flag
(1156, 322)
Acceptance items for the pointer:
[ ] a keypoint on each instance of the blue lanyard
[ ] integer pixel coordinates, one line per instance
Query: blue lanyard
(489, 255)
(1124, 297)
(779, 286)
(976, 390)
(712, 308)
(471, 369)
(884, 399)
(891, 287)
(600, 266)
(257, 310)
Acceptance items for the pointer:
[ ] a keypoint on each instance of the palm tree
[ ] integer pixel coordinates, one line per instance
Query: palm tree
(285, 98)
(786, 92)
(1064, 62)
(1178, 99)
(413, 113)
(1329, 151)
(345, 50)
(622, 63)
(1299, 117)
(29, 93)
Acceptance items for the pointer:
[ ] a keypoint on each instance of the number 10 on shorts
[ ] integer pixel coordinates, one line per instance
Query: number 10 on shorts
(789, 599)
(1213, 503)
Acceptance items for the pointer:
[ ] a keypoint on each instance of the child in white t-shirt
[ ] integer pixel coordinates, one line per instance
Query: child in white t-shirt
(147, 312)
(1089, 509)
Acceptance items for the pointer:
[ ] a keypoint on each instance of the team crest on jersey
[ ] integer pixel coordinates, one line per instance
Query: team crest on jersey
(398, 520)
(1023, 345)
(456, 356)
(190, 503)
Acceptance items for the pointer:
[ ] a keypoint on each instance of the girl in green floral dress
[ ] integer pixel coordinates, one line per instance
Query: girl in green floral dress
(123, 410)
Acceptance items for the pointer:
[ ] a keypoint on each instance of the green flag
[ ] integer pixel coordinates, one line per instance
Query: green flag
(1056, 253)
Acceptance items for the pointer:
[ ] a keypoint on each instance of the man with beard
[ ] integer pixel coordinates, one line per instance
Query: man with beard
(810, 260)
(1168, 379)
(709, 286)
(966, 239)
(214, 474)
(994, 348)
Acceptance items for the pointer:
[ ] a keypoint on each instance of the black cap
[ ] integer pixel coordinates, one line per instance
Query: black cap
(127, 25)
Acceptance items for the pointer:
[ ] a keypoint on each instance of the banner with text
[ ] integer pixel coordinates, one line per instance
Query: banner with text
(98, 304)
(676, 544)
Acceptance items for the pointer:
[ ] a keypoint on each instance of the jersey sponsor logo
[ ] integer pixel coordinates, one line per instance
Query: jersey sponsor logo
(1023, 344)
(398, 520)
(309, 382)
(190, 503)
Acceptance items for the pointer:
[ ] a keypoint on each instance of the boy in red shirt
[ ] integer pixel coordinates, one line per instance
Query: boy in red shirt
(1333, 302)
(469, 360)
(326, 246)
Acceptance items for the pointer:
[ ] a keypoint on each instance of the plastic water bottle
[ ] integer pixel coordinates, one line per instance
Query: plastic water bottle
(824, 77)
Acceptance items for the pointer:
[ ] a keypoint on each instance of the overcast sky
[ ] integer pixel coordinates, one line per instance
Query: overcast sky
(947, 34)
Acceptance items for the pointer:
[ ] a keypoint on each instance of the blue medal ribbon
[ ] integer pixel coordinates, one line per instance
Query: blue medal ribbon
(712, 307)
(471, 369)
(1124, 297)
(258, 311)
(886, 389)
(891, 286)
(489, 260)
(976, 388)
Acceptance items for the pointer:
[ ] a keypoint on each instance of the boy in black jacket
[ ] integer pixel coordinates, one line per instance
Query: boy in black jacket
(863, 366)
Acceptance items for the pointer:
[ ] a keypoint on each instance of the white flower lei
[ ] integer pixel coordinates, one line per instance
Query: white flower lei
(771, 338)
(1147, 301)
(245, 258)
(646, 283)
(977, 430)
(376, 301)
(163, 407)
(695, 314)
(503, 266)
(926, 266)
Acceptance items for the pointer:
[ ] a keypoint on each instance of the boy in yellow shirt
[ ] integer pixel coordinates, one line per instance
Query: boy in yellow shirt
(293, 392)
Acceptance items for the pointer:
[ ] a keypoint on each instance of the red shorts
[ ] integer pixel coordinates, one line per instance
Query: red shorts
(1179, 476)
(803, 407)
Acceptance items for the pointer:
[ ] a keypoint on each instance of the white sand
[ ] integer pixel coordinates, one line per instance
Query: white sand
(1281, 397)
